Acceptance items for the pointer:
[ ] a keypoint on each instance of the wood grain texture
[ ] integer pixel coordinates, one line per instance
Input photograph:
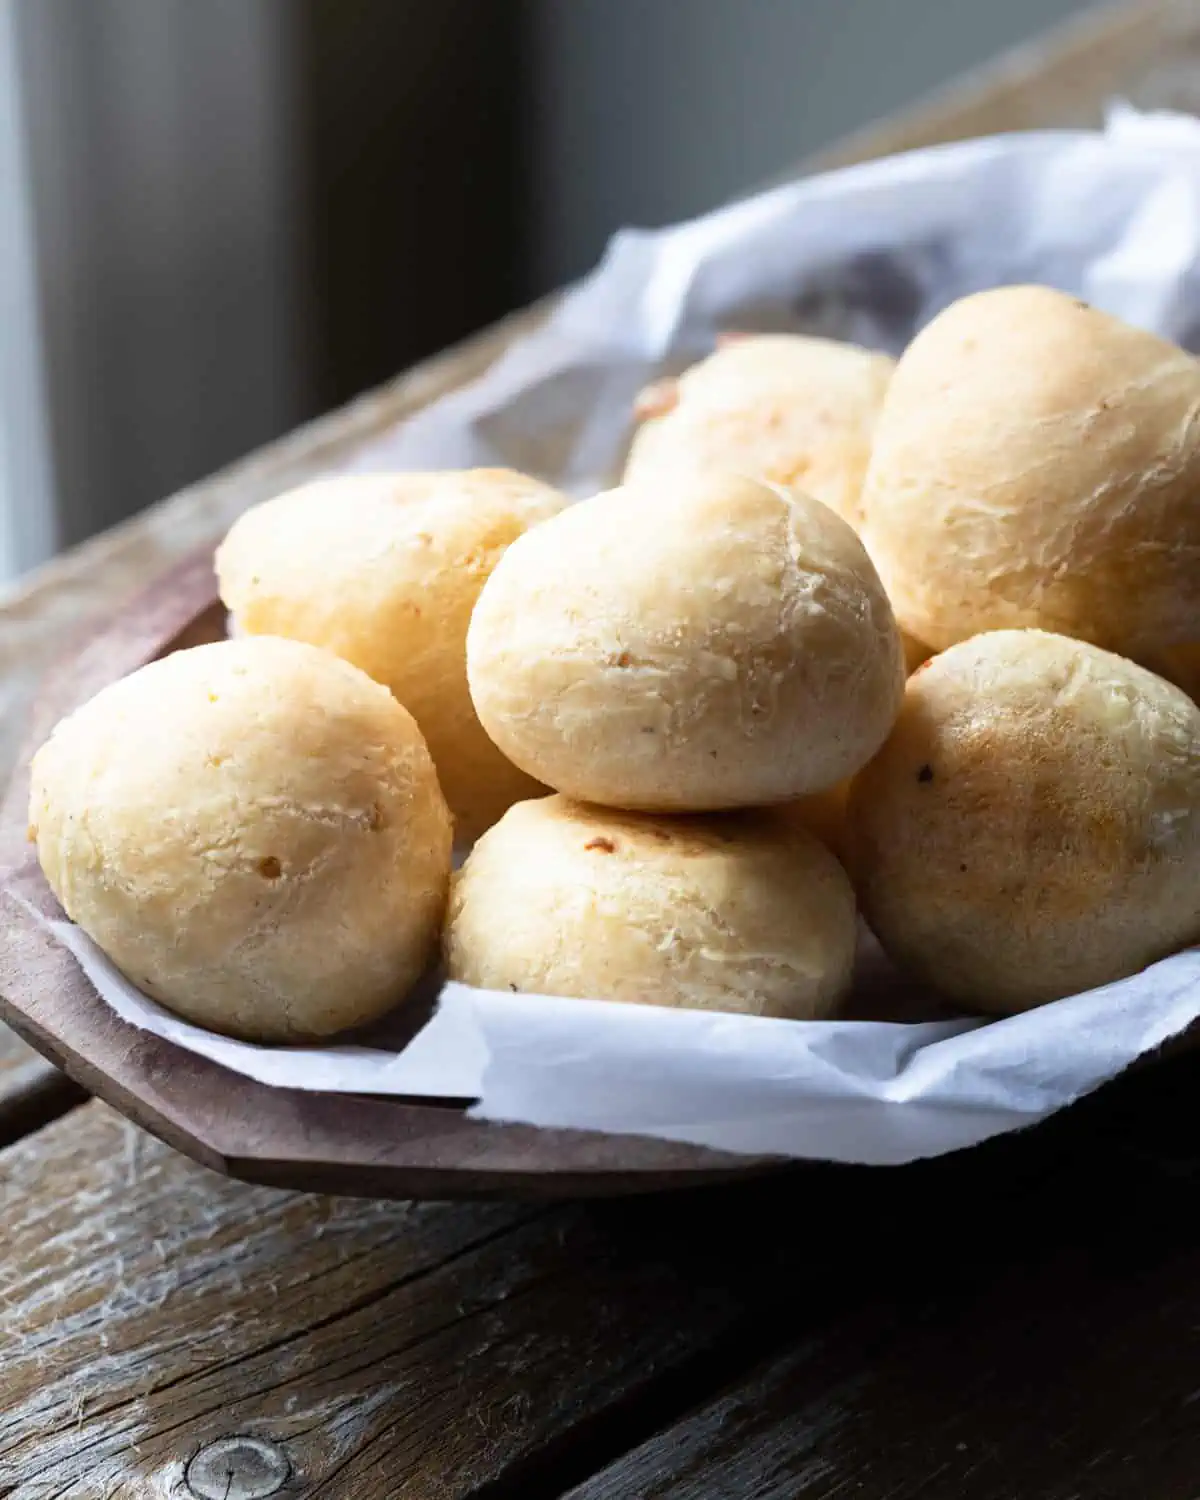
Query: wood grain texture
(402, 1352)
(131, 1279)
(14, 1055)
(32, 1089)
(391, 1351)
(1046, 1347)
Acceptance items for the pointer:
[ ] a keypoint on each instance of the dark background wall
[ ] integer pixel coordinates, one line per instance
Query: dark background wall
(652, 110)
(247, 211)
(414, 179)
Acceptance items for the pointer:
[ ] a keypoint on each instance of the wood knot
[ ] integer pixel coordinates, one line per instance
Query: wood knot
(237, 1468)
(604, 846)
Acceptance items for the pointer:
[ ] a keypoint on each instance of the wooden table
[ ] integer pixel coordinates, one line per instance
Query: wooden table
(1019, 1323)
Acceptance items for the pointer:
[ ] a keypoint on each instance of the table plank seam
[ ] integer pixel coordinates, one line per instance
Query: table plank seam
(34, 1094)
(601, 1441)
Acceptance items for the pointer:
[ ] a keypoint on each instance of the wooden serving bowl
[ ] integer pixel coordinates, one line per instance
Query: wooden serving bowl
(332, 1143)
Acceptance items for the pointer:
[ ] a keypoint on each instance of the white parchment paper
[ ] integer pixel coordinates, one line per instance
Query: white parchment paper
(867, 254)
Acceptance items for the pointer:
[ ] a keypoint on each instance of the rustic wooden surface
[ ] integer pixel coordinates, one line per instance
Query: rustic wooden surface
(847, 1333)
(1036, 1344)
(865, 1332)
(14, 1055)
(32, 1090)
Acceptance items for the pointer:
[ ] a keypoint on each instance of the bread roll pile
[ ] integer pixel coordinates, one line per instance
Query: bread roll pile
(384, 570)
(700, 643)
(675, 723)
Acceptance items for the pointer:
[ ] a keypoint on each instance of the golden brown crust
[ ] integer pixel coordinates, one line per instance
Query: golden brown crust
(705, 643)
(726, 913)
(253, 831)
(823, 814)
(384, 570)
(1032, 826)
(1037, 463)
(786, 409)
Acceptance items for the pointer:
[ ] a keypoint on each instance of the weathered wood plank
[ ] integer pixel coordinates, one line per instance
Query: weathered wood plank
(32, 1090)
(149, 1309)
(140, 1295)
(14, 1054)
(1050, 1350)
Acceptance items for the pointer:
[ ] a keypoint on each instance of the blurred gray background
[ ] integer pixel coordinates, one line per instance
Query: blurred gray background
(219, 219)
(652, 110)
